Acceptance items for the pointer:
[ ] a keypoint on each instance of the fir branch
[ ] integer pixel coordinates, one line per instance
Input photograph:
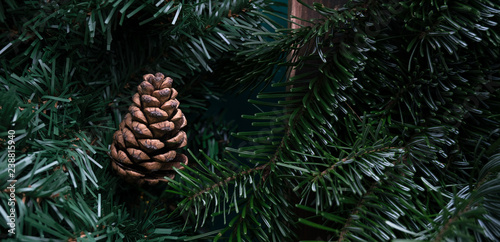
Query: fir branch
(274, 158)
(228, 180)
(360, 204)
(332, 167)
(458, 215)
(445, 228)
(264, 167)
(362, 200)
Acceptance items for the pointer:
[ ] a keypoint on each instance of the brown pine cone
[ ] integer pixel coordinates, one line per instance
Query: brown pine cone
(144, 148)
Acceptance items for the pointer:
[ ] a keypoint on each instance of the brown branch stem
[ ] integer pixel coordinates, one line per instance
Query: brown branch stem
(324, 172)
(264, 167)
(227, 180)
(359, 205)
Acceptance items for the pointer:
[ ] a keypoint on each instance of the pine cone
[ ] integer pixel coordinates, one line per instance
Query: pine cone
(143, 149)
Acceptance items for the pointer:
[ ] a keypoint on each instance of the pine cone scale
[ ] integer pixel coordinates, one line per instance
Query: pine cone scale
(137, 114)
(155, 115)
(150, 101)
(165, 157)
(170, 106)
(162, 95)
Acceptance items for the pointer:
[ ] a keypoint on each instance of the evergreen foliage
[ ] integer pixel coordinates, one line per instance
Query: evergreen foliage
(388, 131)
(68, 70)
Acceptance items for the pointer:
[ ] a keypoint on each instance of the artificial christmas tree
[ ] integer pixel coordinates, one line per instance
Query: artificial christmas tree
(389, 129)
(144, 149)
(66, 72)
